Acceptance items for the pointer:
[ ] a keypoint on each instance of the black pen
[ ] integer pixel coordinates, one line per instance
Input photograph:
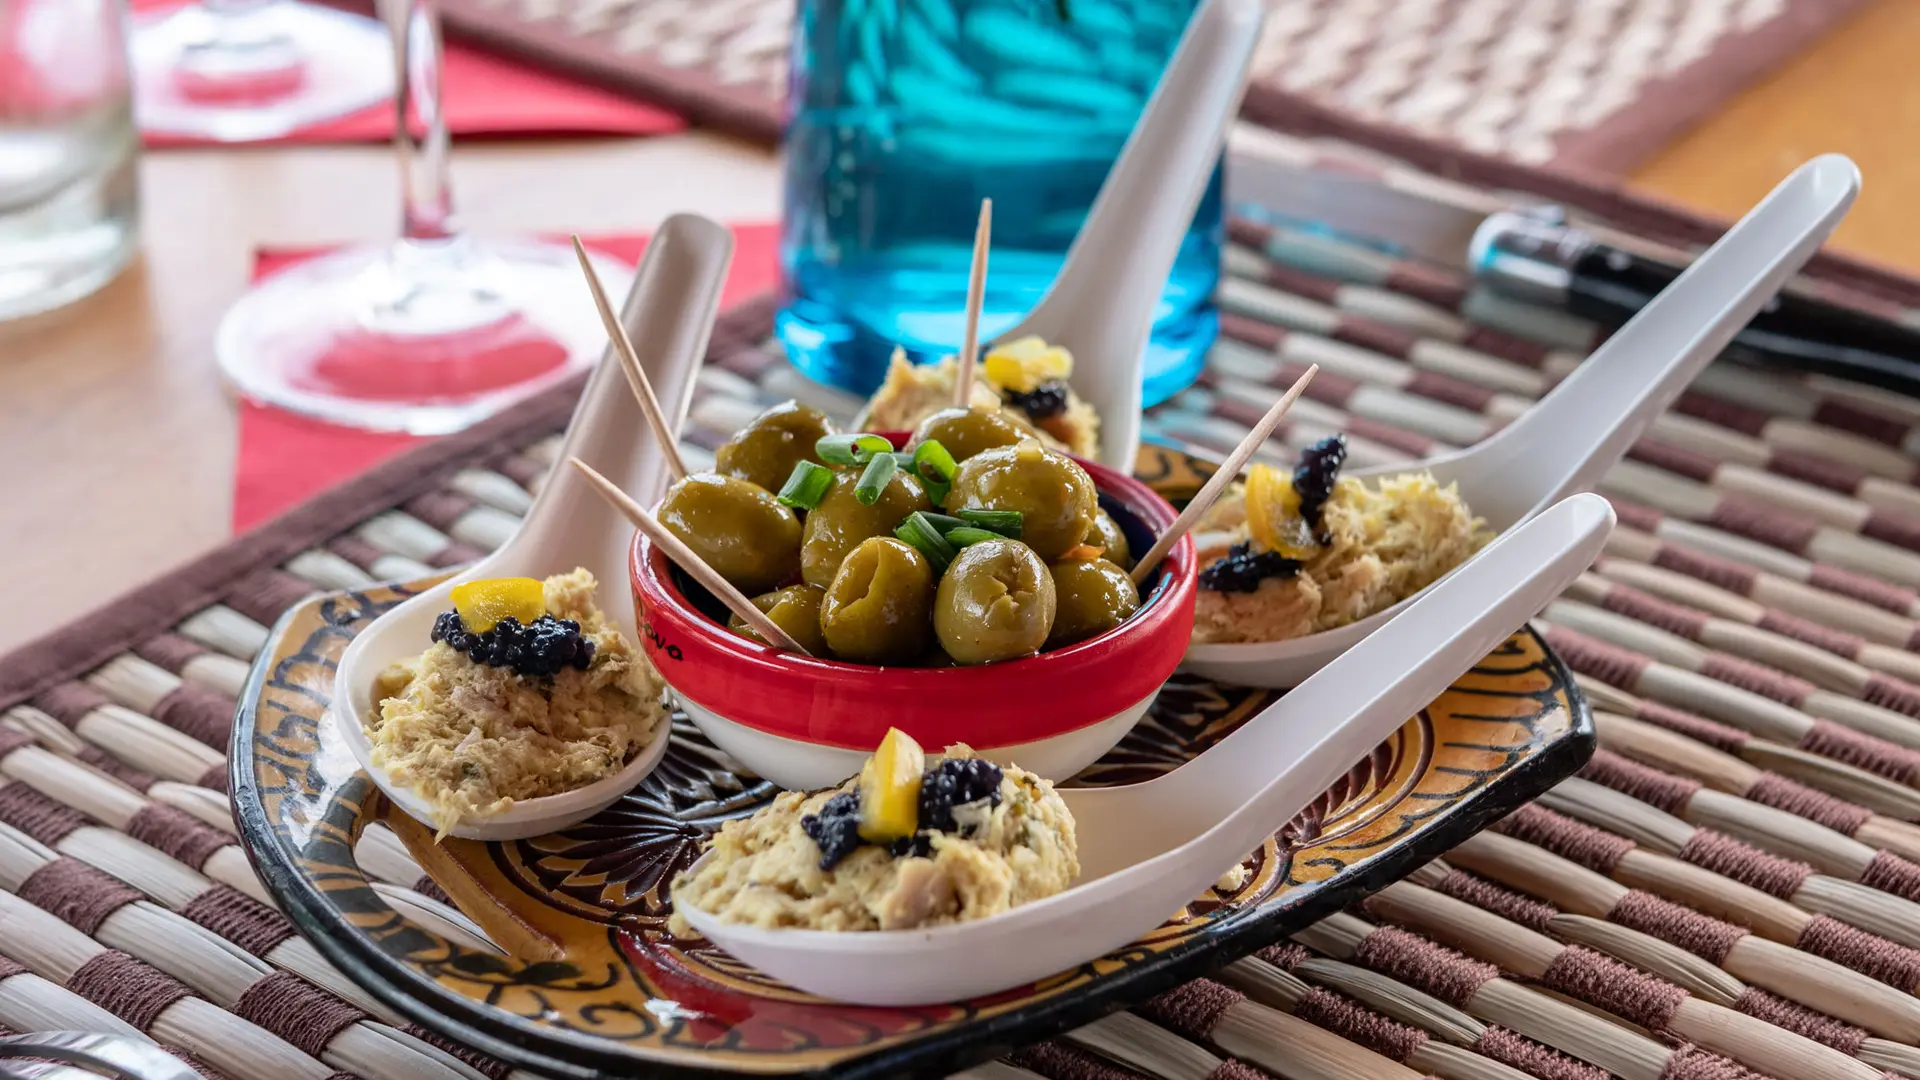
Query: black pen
(1535, 256)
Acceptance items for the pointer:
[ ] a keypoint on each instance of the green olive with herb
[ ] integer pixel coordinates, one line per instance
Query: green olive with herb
(996, 602)
(766, 450)
(736, 527)
(1055, 497)
(967, 431)
(1092, 596)
(1107, 534)
(877, 611)
(842, 521)
(795, 609)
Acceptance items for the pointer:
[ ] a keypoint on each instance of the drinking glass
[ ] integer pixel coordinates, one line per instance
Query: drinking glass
(430, 332)
(906, 113)
(69, 182)
(241, 70)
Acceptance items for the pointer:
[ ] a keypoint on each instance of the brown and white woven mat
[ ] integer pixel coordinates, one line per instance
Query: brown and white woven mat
(1730, 890)
(1582, 84)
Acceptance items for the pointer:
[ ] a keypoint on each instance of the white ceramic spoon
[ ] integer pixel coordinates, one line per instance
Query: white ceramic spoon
(1585, 425)
(669, 315)
(1148, 849)
(1101, 307)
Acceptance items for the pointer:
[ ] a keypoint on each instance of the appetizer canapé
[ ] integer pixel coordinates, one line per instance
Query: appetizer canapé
(1291, 555)
(525, 690)
(909, 842)
(1023, 381)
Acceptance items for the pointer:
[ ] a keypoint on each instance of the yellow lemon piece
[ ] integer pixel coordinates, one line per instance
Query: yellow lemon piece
(481, 604)
(1023, 365)
(890, 789)
(1273, 514)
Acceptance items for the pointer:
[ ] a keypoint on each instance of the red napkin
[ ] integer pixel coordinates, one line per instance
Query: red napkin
(284, 458)
(486, 95)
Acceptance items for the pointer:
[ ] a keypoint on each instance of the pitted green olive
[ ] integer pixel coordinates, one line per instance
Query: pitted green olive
(996, 602)
(736, 527)
(876, 610)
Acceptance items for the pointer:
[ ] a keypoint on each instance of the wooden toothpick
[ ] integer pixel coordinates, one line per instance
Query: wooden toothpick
(680, 553)
(630, 363)
(976, 296)
(1217, 483)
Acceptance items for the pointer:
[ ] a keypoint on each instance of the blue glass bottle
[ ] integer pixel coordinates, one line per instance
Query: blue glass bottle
(906, 113)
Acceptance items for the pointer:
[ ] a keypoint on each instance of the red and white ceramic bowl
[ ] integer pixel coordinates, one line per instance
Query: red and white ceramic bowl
(807, 724)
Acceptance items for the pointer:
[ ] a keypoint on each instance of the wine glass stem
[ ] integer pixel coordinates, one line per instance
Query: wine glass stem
(236, 8)
(426, 199)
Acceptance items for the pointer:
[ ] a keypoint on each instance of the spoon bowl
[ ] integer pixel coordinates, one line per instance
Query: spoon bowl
(669, 314)
(1101, 306)
(1148, 849)
(1568, 441)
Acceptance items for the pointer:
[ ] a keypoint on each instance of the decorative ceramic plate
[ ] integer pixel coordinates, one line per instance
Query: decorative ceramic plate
(594, 986)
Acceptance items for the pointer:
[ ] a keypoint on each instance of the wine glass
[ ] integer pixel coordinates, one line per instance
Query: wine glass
(242, 70)
(428, 333)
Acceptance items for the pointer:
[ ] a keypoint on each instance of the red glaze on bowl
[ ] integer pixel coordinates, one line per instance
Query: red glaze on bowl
(830, 703)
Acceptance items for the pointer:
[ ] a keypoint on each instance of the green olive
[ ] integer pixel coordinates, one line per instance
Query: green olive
(737, 528)
(966, 432)
(1055, 497)
(766, 450)
(841, 522)
(1092, 597)
(876, 611)
(1106, 533)
(996, 602)
(795, 609)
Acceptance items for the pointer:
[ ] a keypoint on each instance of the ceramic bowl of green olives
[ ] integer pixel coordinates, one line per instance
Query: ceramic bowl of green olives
(982, 598)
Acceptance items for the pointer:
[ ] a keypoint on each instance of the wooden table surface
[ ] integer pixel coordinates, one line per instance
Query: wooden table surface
(117, 441)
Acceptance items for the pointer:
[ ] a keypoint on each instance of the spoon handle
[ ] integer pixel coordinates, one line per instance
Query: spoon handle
(1101, 306)
(1576, 433)
(1259, 777)
(669, 313)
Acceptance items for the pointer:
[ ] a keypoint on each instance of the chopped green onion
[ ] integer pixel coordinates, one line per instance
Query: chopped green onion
(1005, 522)
(853, 449)
(933, 462)
(967, 534)
(920, 534)
(936, 489)
(874, 480)
(942, 522)
(903, 459)
(807, 486)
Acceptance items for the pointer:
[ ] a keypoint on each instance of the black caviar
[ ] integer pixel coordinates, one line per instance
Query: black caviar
(919, 845)
(956, 782)
(545, 647)
(835, 830)
(1043, 402)
(1242, 569)
(1313, 478)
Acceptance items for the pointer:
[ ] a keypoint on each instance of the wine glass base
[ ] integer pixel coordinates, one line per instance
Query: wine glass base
(257, 75)
(416, 338)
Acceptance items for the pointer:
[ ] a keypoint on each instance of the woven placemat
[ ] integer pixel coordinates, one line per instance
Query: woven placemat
(1577, 84)
(1735, 878)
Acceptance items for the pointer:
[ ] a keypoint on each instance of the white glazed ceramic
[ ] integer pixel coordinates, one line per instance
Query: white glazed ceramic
(1101, 306)
(1148, 849)
(669, 315)
(1585, 425)
(804, 766)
